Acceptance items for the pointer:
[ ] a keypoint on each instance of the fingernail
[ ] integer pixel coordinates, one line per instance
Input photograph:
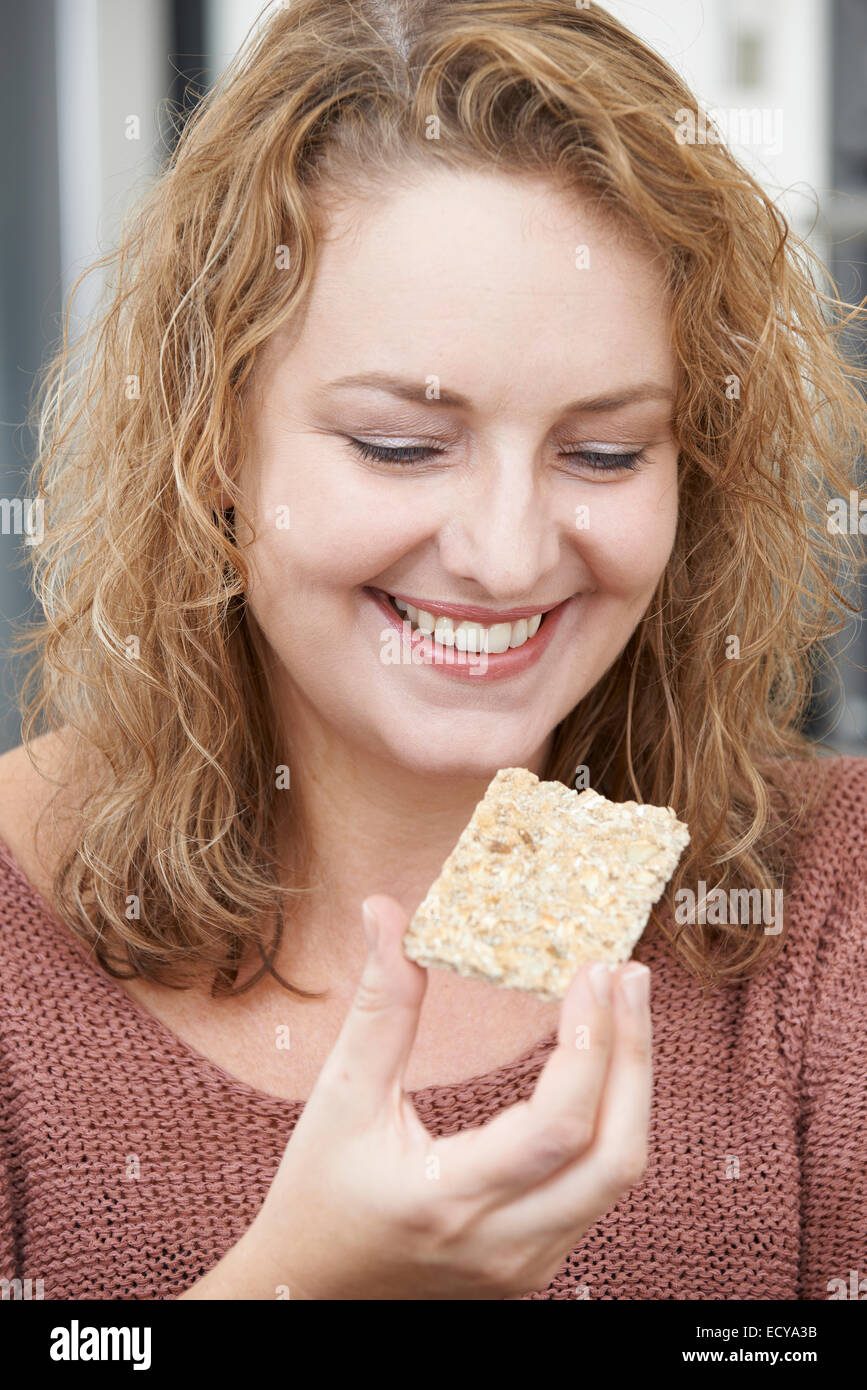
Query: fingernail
(600, 983)
(636, 986)
(370, 922)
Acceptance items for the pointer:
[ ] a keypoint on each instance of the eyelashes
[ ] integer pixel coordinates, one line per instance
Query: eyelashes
(608, 463)
(410, 453)
(402, 456)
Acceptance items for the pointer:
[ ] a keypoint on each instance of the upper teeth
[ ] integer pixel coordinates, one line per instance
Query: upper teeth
(471, 637)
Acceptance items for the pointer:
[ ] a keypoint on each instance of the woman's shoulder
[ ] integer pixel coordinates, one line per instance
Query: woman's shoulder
(828, 844)
(39, 958)
(24, 795)
(832, 789)
(41, 791)
(42, 787)
(825, 972)
(827, 768)
(826, 892)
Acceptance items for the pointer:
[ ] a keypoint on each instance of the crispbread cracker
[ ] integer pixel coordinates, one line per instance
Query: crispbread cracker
(541, 879)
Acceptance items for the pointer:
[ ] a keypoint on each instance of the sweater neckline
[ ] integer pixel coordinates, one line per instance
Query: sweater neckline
(425, 1099)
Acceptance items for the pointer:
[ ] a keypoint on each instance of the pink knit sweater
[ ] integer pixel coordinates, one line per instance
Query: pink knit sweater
(129, 1164)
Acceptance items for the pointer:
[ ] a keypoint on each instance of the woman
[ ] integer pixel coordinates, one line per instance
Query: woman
(434, 324)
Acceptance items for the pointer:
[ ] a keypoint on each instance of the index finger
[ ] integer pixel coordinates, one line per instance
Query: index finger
(524, 1145)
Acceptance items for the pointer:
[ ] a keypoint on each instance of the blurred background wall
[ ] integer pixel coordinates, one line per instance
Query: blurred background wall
(93, 94)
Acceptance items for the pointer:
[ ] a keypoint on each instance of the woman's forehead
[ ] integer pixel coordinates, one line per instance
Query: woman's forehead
(478, 270)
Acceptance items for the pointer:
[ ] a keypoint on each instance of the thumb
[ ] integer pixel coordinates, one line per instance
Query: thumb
(372, 1050)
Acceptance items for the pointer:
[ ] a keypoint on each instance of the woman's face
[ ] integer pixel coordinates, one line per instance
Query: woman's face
(451, 422)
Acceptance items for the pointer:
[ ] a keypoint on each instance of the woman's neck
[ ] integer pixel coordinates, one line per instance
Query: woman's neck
(374, 826)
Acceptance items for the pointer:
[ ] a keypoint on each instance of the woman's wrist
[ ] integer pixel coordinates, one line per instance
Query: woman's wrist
(246, 1271)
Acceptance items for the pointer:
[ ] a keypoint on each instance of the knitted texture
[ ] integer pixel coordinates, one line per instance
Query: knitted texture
(129, 1163)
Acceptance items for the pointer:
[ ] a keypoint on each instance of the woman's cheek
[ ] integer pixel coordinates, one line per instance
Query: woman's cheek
(628, 539)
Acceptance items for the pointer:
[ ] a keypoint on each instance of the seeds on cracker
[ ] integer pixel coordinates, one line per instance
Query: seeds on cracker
(540, 880)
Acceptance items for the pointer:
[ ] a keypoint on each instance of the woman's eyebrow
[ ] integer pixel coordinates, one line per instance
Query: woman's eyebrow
(411, 389)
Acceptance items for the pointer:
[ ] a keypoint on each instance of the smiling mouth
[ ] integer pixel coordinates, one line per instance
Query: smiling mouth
(468, 636)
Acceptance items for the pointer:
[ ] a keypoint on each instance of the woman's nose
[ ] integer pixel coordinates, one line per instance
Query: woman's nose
(503, 534)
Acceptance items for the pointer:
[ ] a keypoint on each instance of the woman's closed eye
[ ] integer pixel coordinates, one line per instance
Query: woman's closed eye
(598, 458)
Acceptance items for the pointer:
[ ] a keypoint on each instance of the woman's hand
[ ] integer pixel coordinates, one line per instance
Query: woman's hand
(367, 1204)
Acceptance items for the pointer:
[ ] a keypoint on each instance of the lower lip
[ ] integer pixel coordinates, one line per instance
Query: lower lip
(475, 666)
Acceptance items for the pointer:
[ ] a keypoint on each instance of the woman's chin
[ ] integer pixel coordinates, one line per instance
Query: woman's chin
(480, 761)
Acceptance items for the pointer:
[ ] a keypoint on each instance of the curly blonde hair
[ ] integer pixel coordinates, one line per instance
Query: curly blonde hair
(147, 651)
